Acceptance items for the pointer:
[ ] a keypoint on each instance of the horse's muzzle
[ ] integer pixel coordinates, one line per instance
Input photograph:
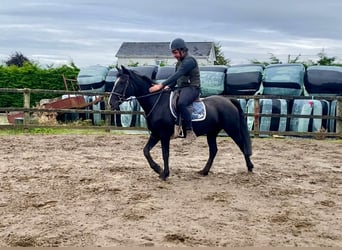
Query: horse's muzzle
(115, 103)
(115, 106)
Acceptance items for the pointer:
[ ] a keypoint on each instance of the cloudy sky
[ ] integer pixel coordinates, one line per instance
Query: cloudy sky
(90, 32)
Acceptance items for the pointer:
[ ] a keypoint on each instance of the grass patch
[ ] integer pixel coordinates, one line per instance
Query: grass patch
(66, 131)
(53, 131)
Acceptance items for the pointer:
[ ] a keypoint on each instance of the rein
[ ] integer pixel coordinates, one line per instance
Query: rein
(122, 97)
(155, 103)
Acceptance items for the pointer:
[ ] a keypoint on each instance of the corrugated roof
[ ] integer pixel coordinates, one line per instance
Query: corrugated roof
(161, 49)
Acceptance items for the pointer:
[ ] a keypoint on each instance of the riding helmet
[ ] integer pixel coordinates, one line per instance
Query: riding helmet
(179, 44)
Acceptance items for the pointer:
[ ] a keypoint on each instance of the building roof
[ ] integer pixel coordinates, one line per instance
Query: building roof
(161, 49)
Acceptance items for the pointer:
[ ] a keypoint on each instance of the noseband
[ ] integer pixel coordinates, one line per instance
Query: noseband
(122, 95)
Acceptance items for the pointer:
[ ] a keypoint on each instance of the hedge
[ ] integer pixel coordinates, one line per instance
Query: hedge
(33, 77)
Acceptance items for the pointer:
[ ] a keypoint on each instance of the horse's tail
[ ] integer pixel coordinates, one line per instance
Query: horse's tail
(244, 128)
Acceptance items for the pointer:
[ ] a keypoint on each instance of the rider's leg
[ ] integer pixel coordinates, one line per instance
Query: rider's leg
(186, 98)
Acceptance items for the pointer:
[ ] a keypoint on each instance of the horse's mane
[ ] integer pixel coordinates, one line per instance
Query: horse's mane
(141, 82)
(143, 77)
(135, 75)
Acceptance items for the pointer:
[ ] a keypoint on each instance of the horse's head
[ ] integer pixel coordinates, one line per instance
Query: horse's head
(128, 83)
(121, 89)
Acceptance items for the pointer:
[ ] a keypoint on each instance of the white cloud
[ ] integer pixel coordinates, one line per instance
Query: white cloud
(90, 32)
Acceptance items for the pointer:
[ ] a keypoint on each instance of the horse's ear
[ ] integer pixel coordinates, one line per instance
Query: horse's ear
(118, 69)
(124, 69)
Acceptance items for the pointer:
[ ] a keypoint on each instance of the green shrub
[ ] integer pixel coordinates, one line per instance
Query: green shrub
(33, 77)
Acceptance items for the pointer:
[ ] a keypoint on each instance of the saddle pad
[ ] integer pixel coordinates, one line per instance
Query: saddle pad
(199, 112)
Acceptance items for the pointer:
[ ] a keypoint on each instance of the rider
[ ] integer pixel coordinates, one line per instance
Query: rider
(187, 79)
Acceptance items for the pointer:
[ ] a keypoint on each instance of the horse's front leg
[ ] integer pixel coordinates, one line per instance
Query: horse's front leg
(152, 141)
(165, 143)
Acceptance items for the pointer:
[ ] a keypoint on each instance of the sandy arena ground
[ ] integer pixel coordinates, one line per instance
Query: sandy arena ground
(98, 190)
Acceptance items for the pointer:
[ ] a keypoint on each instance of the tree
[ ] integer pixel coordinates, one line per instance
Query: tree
(273, 60)
(17, 59)
(220, 59)
(324, 60)
(295, 60)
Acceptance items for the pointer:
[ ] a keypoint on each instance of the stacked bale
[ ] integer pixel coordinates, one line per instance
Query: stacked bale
(243, 79)
(283, 79)
(212, 80)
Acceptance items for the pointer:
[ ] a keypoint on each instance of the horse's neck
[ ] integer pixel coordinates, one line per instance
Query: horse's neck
(144, 98)
(148, 101)
(152, 102)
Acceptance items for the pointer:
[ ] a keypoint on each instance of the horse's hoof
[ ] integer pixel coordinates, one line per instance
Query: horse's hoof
(157, 169)
(250, 168)
(163, 175)
(162, 178)
(203, 173)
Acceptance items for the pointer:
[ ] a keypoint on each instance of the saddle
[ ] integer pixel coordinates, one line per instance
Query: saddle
(198, 108)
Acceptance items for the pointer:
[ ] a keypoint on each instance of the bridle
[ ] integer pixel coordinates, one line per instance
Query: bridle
(122, 96)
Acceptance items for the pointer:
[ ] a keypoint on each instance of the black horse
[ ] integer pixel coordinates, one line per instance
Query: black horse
(222, 113)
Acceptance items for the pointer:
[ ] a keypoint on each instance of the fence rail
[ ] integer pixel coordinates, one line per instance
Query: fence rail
(108, 113)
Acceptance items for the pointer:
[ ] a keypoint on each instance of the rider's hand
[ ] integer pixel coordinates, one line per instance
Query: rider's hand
(156, 87)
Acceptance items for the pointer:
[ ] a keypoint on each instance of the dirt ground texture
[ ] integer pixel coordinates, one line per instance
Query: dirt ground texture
(98, 190)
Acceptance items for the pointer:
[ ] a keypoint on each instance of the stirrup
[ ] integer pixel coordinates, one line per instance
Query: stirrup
(190, 137)
(178, 132)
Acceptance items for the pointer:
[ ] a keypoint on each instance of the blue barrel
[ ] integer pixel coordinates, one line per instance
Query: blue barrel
(141, 121)
(269, 106)
(128, 120)
(96, 118)
(243, 104)
(332, 122)
(309, 107)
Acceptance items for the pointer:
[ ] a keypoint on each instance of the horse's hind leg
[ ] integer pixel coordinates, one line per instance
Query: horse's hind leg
(152, 141)
(239, 140)
(246, 153)
(211, 139)
(249, 163)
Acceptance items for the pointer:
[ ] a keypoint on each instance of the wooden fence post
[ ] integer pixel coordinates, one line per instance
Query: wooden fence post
(256, 117)
(108, 117)
(27, 99)
(339, 114)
